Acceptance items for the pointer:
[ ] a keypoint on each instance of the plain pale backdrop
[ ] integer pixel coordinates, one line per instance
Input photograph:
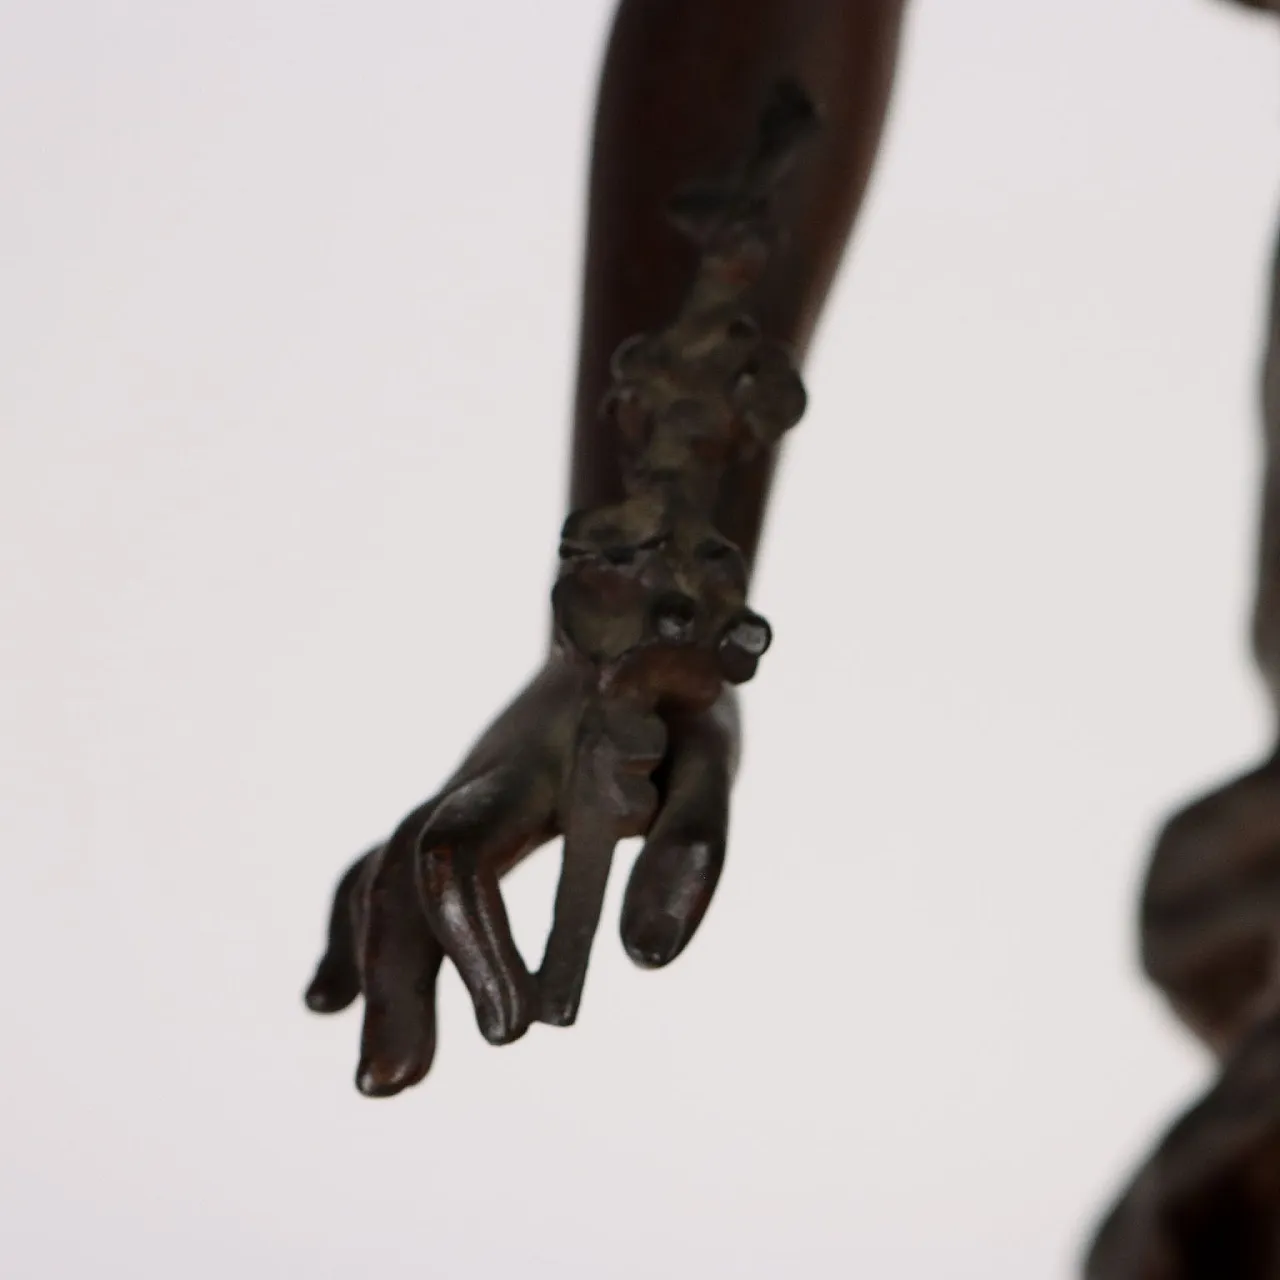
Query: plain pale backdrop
(280, 282)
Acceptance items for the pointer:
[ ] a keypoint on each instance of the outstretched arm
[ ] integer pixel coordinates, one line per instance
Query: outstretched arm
(682, 87)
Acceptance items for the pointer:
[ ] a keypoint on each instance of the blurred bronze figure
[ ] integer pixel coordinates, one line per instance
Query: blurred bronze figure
(1206, 1204)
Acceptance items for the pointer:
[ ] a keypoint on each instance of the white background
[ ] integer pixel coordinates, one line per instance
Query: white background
(280, 282)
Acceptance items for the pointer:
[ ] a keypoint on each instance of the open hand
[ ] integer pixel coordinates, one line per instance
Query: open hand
(431, 890)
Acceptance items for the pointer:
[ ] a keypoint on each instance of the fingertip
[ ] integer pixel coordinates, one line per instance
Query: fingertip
(371, 1082)
(504, 1021)
(667, 896)
(330, 992)
(558, 1014)
(377, 1078)
(317, 998)
(385, 1070)
(498, 1034)
(653, 939)
(397, 1040)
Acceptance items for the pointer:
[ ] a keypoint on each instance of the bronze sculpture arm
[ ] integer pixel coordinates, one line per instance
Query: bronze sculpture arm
(682, 88)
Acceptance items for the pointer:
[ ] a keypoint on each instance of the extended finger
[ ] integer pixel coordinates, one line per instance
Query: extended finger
(677, 871)
(482, 826)
(337, 978)
(400, 959)
(610, 797)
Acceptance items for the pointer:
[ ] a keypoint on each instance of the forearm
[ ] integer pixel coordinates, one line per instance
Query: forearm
(683, 83)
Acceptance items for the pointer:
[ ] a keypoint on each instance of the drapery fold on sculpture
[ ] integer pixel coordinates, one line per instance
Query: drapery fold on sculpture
(649, 594)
